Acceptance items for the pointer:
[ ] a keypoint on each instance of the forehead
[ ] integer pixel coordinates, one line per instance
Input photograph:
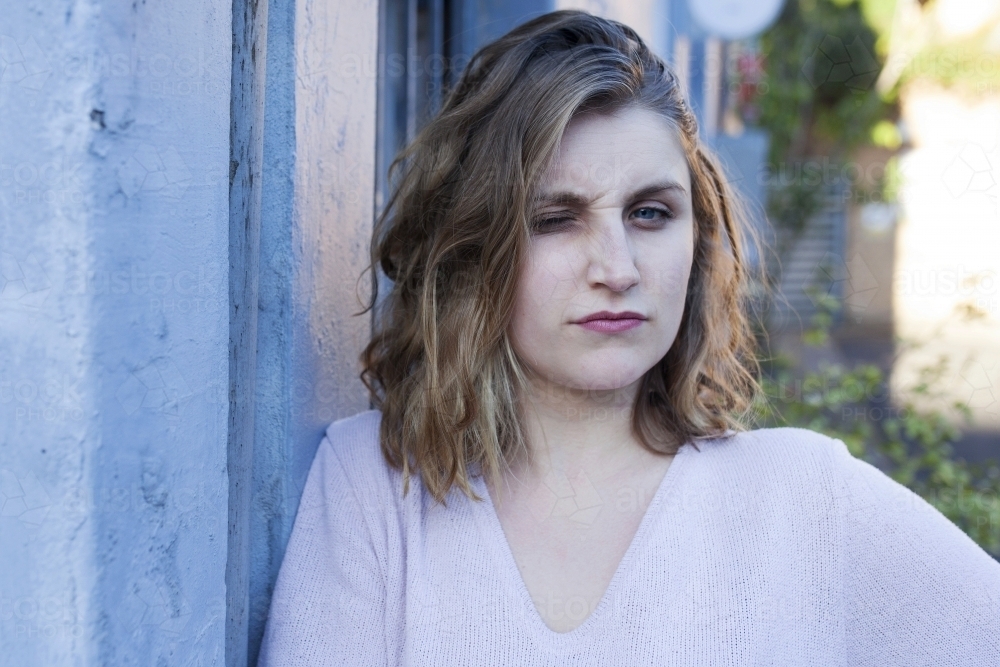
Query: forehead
(605, 153)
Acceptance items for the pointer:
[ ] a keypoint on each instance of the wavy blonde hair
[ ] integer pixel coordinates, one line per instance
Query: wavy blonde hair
(455, 231)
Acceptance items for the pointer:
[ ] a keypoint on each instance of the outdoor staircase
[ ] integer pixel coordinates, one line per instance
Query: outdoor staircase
(814, 259)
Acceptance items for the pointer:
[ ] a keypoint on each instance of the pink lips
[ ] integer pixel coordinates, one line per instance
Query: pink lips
(608, 322)
(611, 326)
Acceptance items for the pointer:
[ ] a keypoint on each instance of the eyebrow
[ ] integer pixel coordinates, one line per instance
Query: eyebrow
(576, 199)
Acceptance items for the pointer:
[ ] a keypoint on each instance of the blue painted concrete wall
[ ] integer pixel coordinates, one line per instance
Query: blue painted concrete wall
(114, 207)
(272, 508)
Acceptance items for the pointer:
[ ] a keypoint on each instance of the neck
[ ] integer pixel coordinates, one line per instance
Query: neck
(570, 431)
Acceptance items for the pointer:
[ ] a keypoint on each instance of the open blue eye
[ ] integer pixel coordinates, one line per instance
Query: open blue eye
(650, 212)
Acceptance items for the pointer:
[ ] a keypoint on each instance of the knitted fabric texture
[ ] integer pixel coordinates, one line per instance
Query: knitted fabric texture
(770, 547)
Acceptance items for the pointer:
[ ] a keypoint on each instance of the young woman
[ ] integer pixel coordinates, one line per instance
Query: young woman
(557, 471)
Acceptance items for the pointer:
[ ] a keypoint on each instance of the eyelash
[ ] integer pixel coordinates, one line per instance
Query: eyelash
(554, 220)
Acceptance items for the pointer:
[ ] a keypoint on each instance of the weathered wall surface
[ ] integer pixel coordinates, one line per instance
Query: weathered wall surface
(114, 175)
(317, 210)
(245, 194)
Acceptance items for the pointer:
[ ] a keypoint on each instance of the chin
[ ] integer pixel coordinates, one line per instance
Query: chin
(602, 378)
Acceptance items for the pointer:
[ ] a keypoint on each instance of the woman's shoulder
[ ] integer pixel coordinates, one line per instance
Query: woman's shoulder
(774, 448)
(804, 463)
(355, 439)
(790, 466)
(353, 442)
(781, 437)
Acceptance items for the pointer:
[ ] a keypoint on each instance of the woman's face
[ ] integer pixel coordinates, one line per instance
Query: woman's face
(615, 232)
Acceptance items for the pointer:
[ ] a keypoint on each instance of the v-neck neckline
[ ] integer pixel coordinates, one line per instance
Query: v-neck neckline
(545, 634)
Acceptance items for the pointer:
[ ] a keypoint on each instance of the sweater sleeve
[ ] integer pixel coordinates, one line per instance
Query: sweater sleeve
(328, 606)
(918, 590)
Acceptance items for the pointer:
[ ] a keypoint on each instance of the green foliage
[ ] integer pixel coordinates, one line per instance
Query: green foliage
(820, 70)
(878, 14)
(886, 134)
(971, 64)
(911, 444)
(790, 205)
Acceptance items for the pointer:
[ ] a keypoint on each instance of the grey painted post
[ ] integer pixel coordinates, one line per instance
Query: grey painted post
(246, 155)
(317, 209)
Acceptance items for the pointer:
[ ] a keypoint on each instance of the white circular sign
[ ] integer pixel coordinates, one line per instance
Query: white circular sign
(735, 19)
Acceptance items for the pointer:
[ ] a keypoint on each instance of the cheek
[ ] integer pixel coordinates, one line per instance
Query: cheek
(684, 271)
(529, 305)
(544, 281)
(546, 285)
(672, 272)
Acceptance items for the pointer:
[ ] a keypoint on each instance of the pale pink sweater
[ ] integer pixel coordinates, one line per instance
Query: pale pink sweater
(771, 547)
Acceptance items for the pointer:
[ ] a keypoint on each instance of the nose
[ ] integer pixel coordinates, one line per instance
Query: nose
(611, 255)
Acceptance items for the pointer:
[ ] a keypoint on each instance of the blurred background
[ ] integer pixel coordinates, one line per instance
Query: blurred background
(186, 199)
